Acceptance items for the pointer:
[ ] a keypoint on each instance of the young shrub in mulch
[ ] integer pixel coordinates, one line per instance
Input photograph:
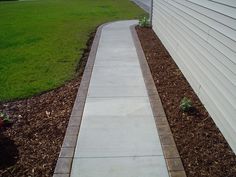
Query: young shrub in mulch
(186, 104)
(144, 22)
(5, 120)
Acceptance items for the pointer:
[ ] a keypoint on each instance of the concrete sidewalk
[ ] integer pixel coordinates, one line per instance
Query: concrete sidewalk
(118, 135)
(118, 127)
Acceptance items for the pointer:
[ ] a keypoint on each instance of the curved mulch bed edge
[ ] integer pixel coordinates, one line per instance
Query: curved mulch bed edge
(203, 149)
(30, 147)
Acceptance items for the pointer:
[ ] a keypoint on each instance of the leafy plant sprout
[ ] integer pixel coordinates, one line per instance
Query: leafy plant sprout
(185, 104)
(4, 119)
(144, 22)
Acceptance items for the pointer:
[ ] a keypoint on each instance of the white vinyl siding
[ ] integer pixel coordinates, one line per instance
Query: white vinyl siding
(200, 35)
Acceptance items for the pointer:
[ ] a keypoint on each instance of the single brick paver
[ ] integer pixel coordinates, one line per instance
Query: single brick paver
(118, 135)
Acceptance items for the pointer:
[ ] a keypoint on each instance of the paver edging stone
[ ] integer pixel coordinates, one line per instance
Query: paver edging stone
(64, 162)
(171, 154)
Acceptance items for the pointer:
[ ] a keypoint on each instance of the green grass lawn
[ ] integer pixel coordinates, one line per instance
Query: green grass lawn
(41, 40)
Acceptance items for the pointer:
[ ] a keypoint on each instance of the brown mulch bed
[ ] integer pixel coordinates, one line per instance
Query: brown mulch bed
(30, 147)
(203, 149)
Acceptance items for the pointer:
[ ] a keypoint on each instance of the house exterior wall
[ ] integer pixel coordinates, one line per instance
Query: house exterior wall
(200, 35)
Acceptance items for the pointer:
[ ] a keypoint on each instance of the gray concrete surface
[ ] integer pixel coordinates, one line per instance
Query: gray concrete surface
(118, 135)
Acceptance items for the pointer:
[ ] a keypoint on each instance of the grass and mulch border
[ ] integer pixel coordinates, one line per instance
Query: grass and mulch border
(31, 145)
(202, 148)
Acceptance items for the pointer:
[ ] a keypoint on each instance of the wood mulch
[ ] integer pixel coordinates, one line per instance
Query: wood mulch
(203, 149)
(30, 147)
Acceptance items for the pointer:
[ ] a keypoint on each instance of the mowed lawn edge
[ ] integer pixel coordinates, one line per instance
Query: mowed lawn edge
(42, 41)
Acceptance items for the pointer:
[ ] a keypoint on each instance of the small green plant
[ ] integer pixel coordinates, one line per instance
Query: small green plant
(4, 119)
(185, 104)
(144, 22)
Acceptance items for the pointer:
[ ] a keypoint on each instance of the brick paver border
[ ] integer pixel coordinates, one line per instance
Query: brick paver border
(64, 162)
(171, 154)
